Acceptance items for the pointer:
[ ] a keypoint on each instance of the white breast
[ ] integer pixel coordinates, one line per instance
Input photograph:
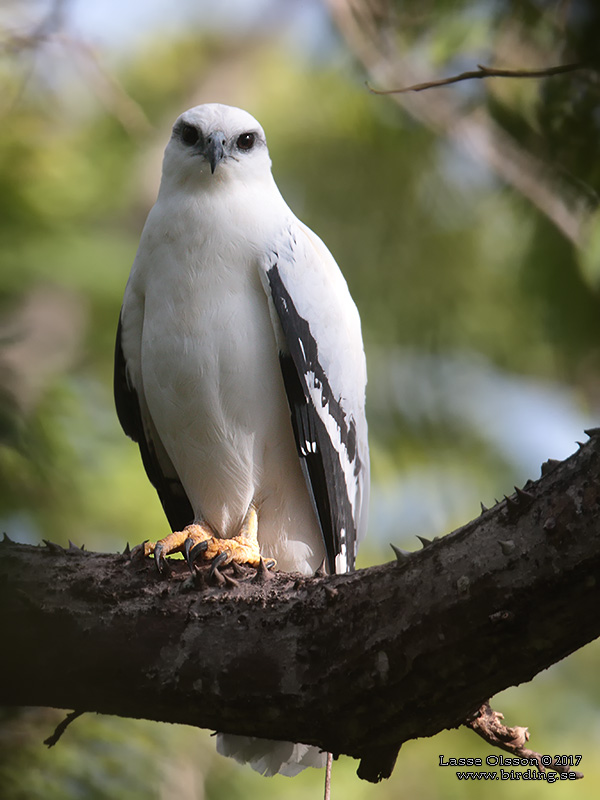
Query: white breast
(209, 372)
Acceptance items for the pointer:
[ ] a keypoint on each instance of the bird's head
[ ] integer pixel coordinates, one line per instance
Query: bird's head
(213, 143)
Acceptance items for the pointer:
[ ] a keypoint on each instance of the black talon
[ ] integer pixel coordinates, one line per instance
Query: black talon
(191, 551)
(217, 561)
(187, 547)
(159, 558)
(138, 552)
(201, 547)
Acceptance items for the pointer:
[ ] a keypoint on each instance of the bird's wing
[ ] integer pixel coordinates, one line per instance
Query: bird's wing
(317, 329)
(137, 423)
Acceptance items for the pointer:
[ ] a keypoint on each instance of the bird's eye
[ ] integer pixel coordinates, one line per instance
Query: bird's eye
(246, 141)
(189, 134)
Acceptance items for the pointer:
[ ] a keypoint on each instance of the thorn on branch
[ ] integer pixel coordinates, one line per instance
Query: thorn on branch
(216, 577)
(238, 570)
(483, 72)
(402, 556)
(426, 542)
(230, 582)
(320, 572)
(516, 506)
(53, 547)
(506, 546)
(199, 578)
(549, 465)
(591, 432)
(525, 498)
(487, 723)
(62, 727)
(514, 509)
(262, 572)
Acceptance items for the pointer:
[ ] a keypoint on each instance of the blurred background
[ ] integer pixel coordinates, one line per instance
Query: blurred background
(465, 219)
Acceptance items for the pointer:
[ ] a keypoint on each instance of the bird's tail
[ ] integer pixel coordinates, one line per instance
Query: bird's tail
(270, 757)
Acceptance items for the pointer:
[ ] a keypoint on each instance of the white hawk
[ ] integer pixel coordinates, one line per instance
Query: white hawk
(240, 372)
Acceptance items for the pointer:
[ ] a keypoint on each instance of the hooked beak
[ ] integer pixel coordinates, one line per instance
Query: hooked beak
(213, 150)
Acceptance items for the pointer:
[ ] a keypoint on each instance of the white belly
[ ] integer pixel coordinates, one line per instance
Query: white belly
(213, 385)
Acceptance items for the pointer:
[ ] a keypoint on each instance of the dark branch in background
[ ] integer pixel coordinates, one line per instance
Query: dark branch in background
(370, 32)
(87, 61)
(483, 72)
(356, 664)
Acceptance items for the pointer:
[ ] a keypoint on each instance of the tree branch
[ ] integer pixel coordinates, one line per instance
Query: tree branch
(356, 664)
(488, 724)
(370, 33)
(483, 72)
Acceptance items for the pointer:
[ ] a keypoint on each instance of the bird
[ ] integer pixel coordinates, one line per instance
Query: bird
(240, 372)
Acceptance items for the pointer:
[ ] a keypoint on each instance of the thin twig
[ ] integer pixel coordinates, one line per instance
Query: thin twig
(62, 727)
(327, 795)
(49, 25)
(484, 72)
(373, 40)
(487, 724)
(109, 89)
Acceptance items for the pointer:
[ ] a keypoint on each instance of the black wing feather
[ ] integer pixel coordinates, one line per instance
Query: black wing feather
(170, 491)
(319, 458)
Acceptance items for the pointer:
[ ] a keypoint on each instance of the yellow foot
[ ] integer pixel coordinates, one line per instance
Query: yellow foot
(197, 541)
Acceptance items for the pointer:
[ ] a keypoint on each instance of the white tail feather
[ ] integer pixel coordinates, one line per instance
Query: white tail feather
(270, 757)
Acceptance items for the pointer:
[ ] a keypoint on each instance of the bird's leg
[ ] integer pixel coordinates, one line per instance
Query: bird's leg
(198, 540)
(189, 541)
(243, 548)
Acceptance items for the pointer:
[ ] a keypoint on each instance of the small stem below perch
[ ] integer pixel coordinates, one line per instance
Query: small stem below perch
(62, 727)
(487, 723)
